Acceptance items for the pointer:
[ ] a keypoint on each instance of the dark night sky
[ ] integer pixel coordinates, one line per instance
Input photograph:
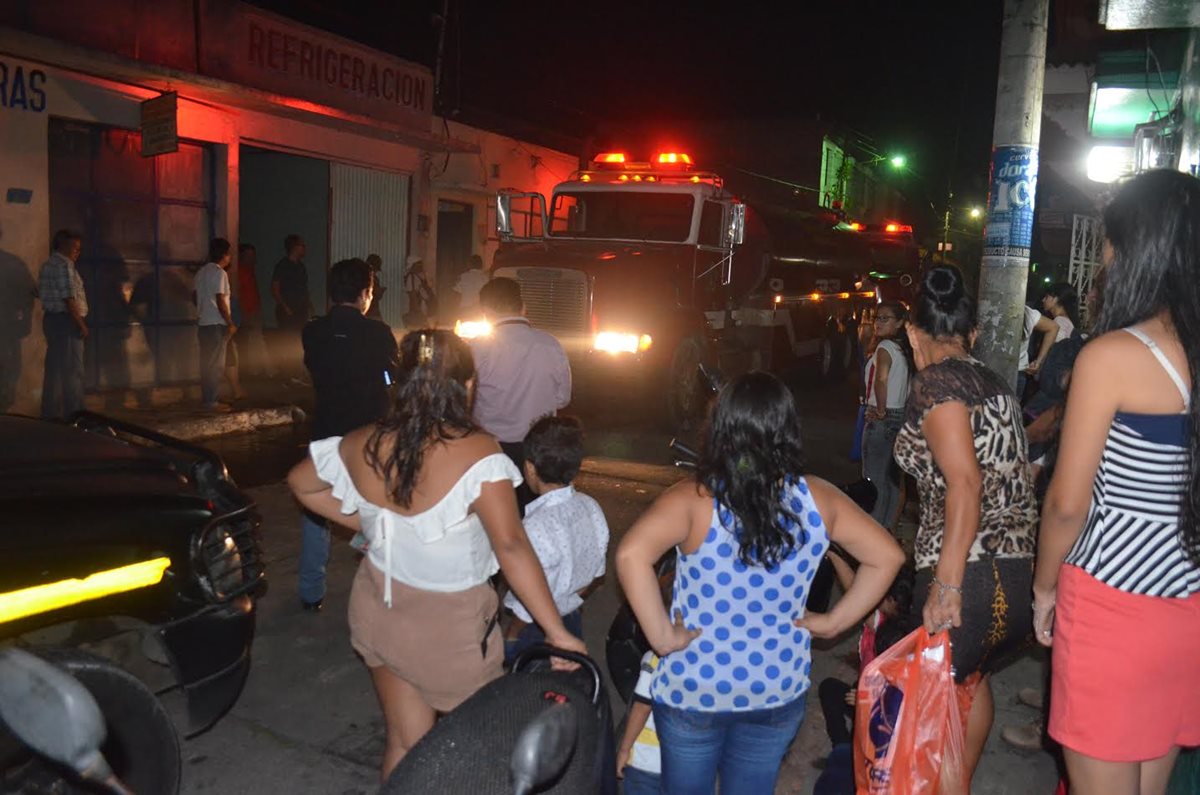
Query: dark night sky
(911, 75)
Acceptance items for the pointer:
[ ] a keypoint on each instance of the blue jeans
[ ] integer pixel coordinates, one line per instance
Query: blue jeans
(879, 464)
(212, 361)
(532, 635)
(314, 555)
(744, 748)
(62, 379)
(639, 782)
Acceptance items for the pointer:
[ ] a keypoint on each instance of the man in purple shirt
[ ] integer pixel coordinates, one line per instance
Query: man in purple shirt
(522, 374)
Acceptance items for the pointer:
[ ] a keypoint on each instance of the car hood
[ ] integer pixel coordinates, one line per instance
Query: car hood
(40, 459)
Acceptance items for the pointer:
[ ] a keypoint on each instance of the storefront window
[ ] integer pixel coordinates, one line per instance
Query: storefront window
(146, 223)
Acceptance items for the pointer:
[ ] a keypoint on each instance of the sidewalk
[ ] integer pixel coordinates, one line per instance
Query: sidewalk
(176, 411)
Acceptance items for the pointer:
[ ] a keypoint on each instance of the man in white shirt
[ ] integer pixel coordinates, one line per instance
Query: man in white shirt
(64, 321)
(521, 373)
(215, 323)
(567, 530)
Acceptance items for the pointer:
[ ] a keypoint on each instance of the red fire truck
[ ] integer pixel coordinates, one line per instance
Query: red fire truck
(644, 270)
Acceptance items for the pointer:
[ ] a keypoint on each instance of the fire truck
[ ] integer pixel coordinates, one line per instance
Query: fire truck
(645, 270)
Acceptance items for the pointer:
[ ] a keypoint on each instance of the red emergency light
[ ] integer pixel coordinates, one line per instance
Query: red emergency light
(855, 226)
(895, 228)
(610, 157)
(673, 159)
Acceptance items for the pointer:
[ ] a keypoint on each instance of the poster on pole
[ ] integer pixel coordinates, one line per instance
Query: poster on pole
(1009, 231)
(160, 128)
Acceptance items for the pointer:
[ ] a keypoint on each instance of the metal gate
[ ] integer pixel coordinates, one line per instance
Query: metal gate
(369, 215)
(1087, 241)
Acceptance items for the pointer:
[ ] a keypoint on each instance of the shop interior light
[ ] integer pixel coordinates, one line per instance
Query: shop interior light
(63, 593)
(1107, 163)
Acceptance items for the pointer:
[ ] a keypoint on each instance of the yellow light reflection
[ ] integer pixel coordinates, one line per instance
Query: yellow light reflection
(54, 595)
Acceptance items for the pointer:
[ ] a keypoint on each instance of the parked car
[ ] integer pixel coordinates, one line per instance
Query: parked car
(132, 560)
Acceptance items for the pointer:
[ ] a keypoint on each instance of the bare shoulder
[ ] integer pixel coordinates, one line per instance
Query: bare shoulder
(824, 494)
(356, 441)
(1105, 354)
(685, 495)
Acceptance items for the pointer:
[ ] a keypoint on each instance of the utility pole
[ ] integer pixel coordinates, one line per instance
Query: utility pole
(1009, 232)
(946, 226)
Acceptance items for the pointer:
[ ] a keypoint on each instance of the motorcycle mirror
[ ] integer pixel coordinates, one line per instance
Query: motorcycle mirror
(543, 749)
(52, 713)
(711, 377)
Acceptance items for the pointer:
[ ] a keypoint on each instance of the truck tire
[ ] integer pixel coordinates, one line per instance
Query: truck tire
(834, 357)
(142, 745)
(684, 396)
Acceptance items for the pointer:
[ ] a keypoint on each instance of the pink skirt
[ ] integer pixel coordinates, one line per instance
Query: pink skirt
(1126, 671)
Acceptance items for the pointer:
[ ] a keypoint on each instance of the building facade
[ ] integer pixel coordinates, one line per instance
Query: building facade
(279, 129)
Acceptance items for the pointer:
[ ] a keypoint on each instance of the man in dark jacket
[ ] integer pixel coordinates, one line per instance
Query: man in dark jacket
(352, 360)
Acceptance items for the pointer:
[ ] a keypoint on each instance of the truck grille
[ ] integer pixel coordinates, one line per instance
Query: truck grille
(556, 300)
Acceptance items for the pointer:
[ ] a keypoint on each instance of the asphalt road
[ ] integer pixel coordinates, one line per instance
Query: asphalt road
(308, 721)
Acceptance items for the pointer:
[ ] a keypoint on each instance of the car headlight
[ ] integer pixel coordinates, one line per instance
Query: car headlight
(470, 329)
(618, 342)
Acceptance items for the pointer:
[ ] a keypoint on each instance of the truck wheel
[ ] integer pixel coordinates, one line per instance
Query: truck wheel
(834, 357)
(142, 746)
(684, 395)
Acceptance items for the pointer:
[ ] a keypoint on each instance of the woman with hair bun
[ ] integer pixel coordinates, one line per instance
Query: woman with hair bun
(964, 443)
(435, 497)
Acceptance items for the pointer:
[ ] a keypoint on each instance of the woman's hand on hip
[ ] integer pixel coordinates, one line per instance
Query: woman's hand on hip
(677, 637)
(943, 609)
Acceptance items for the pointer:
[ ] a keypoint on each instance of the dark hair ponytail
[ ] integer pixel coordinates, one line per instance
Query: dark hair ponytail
(431, 404)
(1153, 225)
(1067, 298)
(752, 447)
(944, 307)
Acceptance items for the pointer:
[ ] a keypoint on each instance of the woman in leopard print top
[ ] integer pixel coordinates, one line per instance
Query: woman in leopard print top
(964, 442)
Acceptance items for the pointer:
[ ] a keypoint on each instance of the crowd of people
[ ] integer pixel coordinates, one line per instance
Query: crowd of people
(1093, 551)
(1066, 511)
(232, 339)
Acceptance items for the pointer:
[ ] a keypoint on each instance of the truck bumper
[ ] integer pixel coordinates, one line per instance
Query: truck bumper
(211, 655)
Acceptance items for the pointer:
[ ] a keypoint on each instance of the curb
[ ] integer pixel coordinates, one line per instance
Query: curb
(192, 428)
(656, 474)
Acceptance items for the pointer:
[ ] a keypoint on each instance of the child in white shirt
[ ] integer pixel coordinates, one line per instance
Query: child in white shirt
(567, 530)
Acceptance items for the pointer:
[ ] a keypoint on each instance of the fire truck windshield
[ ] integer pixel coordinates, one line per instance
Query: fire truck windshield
(622, 215)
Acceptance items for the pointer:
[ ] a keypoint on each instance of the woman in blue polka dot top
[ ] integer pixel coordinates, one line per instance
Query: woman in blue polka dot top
(728, 695)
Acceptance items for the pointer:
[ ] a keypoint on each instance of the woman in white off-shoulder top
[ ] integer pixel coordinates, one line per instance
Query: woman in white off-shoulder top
(434, 496)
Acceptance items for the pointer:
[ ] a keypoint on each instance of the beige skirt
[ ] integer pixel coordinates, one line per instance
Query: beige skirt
(429, 639)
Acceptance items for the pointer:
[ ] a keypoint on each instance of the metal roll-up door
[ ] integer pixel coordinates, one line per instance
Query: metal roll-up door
(369, 215)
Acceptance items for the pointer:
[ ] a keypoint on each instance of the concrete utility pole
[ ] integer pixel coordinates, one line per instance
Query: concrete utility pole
(1009, 232)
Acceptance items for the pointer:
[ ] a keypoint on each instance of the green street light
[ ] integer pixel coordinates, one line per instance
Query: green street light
(899, 161)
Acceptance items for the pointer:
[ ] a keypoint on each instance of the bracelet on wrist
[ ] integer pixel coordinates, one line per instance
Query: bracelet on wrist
(943, 586)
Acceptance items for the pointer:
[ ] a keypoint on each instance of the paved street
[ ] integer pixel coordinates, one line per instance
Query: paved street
(308, 721)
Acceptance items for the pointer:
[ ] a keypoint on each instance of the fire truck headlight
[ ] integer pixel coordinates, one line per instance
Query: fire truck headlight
(615, 342)
(470, 329)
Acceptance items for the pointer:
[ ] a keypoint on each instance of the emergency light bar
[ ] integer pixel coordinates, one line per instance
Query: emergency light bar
(610, 157)
(895, 228)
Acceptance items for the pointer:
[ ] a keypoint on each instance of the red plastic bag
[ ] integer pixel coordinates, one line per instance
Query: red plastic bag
(908, 736)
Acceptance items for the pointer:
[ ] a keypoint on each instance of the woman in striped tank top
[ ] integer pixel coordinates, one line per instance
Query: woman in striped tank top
(1117, 587)
(728, 694)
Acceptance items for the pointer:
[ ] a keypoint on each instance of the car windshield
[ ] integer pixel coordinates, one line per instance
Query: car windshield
(623, 215)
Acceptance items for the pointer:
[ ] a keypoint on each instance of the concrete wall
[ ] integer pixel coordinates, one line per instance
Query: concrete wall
(474, 179)
(283, 194)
